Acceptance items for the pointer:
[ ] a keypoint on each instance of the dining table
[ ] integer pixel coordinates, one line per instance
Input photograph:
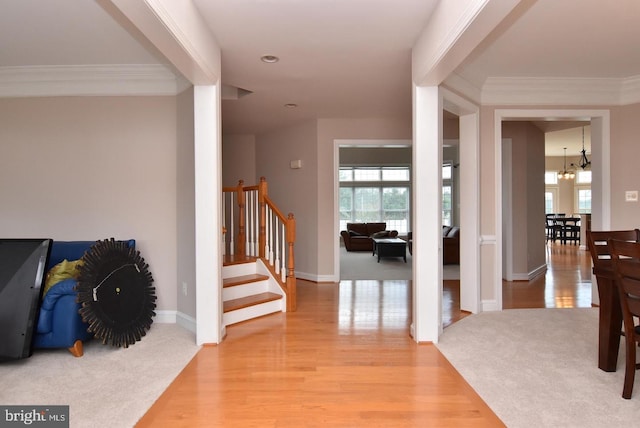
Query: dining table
(566, 224)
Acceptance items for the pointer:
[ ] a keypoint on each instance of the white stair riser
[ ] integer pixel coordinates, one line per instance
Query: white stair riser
(252, 312)
(238, 270)
(237, 291)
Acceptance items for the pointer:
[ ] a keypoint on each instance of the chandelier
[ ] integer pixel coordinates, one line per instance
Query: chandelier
(584, 162)
(567, 175)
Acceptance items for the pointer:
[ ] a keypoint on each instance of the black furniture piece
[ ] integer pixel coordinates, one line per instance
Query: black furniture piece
(568, 229)
(22, 271)
(390, 247)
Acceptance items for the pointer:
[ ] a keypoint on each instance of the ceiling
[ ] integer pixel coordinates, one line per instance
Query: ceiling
(338, 59)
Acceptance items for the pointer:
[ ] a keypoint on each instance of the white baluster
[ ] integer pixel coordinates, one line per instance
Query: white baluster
(224, 224)
(255, 218)
(267, 234)
(247, 225)
(284, 256)
(277, 260)
(231, 231)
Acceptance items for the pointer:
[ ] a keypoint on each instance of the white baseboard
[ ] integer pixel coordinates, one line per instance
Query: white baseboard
(186, 322)
(490, 306)
(540, 270)
(316, 278)
(165, 317)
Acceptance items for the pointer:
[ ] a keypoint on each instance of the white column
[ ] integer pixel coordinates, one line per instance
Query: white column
(427, 214)
(469, 214)
(208, 189)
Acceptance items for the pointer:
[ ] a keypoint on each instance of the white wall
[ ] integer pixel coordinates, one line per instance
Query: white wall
(308, 192)
(85, 168)
(625, 174)
(239, 160)
(185, 207)
(328, 237)
(294, 190)
(527, 199)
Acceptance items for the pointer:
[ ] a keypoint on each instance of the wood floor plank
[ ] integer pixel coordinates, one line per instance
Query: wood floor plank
(345, 359)
(332, 363)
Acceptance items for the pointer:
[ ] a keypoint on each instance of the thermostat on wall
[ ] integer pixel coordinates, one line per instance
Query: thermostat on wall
(295, 164)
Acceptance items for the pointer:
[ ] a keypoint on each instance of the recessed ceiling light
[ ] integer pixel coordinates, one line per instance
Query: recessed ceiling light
(269, 58)
(291, 105)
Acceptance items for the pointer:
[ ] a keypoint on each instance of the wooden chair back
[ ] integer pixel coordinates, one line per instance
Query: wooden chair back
(610, 314)
(625, 259)
(600, 251)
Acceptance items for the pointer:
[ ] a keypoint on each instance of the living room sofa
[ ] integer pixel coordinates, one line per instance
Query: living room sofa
(450, 245)
(60, 325)
(358, 236)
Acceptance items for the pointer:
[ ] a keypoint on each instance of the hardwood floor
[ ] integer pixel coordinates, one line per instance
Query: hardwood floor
(345, 359)
(567, 283)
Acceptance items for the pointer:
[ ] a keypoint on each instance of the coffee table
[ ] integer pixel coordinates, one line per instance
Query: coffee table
(390, 247)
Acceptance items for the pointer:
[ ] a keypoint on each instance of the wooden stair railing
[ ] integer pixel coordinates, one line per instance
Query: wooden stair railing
(254, 226)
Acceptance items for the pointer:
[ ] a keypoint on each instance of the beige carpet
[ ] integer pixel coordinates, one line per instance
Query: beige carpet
(107, 387)
(363, 265)
(538, 368)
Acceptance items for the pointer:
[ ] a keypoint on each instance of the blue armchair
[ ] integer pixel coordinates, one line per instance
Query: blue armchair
(59, 323)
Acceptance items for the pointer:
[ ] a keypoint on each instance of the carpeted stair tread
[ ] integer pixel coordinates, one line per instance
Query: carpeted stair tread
(244, 302)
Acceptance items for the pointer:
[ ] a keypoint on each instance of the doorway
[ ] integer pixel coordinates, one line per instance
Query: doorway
(599, 121)
(374, 154)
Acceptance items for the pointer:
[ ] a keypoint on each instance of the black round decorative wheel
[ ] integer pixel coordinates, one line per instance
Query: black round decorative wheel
(116, 292)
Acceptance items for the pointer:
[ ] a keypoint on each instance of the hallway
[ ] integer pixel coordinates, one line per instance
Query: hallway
(566, 284)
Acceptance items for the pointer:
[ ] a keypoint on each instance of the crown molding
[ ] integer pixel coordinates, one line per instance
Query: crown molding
(550, 91)
(89, 80)
(630, 91)
(458, 84)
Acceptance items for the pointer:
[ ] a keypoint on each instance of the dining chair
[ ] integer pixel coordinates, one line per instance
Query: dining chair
(625, 257)
(551, 228)
(610, 314)
(572, 229)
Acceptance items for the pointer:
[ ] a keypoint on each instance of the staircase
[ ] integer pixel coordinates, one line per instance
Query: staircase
(258, 246)
(249, 291)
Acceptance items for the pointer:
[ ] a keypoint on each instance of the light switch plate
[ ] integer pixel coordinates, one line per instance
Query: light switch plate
(631, 196)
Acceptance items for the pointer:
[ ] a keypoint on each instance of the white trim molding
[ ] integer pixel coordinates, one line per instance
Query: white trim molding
(90, 80)
(165, 317)
(540, 270)
(542, 91)
(186, 321)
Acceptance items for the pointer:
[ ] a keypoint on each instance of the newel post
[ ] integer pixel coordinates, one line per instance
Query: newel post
(240, 243)
(262, 222)
(291, 278)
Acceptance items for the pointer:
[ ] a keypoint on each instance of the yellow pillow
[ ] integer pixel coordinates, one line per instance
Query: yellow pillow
(63, 270)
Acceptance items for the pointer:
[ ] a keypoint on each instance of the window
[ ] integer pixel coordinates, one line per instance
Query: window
(583, 192)
(583, 177)
(447, 171)
(583, 200)
(371, 194)
(446, 205)
(551, 192)
(447, 194)
(366, 174)
(550, 177)
(549, 202)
